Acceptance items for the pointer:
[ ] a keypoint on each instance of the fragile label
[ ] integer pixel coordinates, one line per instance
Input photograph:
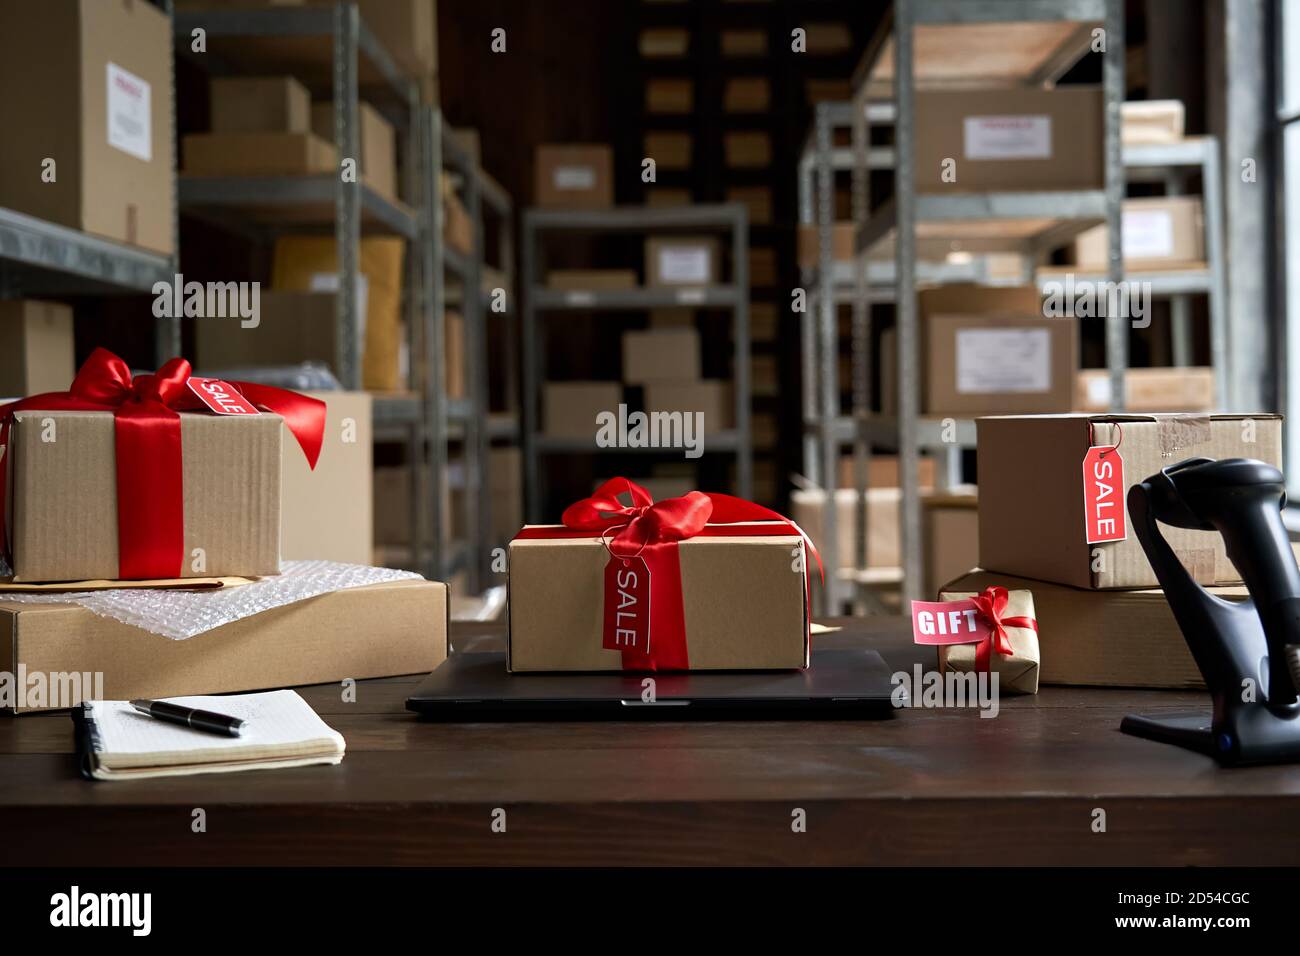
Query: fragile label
(1103, 494)
(130, 126)
(1003, 360)
(1007, 137)
(220, 397)
(627, 605)
(947, 622)
(574, 177)
(1148, 234)
(683, 264)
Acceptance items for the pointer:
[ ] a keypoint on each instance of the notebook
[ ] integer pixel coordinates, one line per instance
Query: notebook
(116, 742)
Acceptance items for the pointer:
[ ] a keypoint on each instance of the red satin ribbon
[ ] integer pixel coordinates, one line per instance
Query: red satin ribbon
(147, 433)
(991, 603)
(653, 531)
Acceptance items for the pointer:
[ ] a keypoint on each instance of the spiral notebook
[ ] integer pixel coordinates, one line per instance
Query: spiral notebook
(116, 742)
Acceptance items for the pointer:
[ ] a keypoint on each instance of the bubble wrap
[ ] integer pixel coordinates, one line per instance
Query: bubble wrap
(180, 615)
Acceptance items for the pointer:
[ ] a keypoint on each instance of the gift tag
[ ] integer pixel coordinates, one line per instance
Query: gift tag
(221, 397)
(947, 622)
(627, 605)
(1103, 494)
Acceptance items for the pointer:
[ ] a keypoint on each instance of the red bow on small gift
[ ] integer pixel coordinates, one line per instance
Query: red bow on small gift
(147, 433)
(991, 603)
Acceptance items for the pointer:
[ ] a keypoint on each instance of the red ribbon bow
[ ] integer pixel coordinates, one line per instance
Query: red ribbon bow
(147, 430)
(991, 603)
(652, 530)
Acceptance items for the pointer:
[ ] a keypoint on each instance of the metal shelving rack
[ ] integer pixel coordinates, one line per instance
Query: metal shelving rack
(729, 217)
(334, 42)
(1070, 212)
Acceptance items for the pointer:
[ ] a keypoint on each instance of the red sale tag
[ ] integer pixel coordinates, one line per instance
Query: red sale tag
(627, 605)
(1103, 494)
(947, 622)
(220, 397)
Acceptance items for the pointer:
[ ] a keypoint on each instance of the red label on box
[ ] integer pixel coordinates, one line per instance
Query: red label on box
(1103, 494)
(220, 397)
(627, 605)
(947, 622)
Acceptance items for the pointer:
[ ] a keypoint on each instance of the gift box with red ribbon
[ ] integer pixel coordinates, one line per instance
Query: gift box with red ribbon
(700, 582)
(989, 631)
(158, 476)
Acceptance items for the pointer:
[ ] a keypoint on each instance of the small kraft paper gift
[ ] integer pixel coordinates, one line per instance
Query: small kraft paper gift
(993, 630)
(700, 582)
(155, 477)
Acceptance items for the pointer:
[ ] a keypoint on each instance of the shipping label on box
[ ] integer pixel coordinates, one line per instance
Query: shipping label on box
(1003, 360)
(129, 126)
(681, 261)
(1007, 137)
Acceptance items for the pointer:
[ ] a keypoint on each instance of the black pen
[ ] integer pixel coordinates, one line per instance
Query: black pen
(192, 717)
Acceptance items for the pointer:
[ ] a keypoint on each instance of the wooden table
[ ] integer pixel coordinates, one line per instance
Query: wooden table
(926, 787)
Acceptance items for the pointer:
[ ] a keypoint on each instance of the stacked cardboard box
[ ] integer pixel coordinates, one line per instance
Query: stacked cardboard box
(574, 176)
(378, 160)
(260, 126)
(36, 347)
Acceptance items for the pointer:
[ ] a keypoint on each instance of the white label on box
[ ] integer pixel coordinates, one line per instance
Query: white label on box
(574, 177)
(1098, 387)
(684, 264)
(1007, 137)
(130, 126)
(1148, 234)
(1003, 360)
(329, 282)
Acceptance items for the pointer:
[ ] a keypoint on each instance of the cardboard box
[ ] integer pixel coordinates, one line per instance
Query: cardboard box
(453, 357)
(569, 409)
(1152, 121)
(882, 472)
(744, 607)
(504, 482)
(762, 266)
(1160, 232)
(36, 347)
(746, 94)
(383, 630)
(660, 354)
(293, 327)
(582, 280)
(407, 29)
(325, 513)
(841, 244)
(663, 42)
(669, 95)
(742, 43)
(682, 260)
(987, 350)
(309, 263)
(1148, 390)
(257, 154)
(747, 150)
(950, 528)
(260, 104)
(1031, 508)
(457, 226)
(756, 199)
(62, 516)
(1108, 639)
(808, 509)
(89, 85)
(1010, 138)
(579, 176)
(669, 150)
(661, 196)
(378, 139)
(713, 398)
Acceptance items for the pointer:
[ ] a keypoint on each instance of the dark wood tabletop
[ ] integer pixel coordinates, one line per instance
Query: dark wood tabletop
(941, 786)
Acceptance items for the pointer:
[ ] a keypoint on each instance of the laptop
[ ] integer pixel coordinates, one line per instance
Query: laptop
(476, 686)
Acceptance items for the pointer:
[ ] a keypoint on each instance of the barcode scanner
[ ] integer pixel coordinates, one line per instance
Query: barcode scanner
(1248, 651)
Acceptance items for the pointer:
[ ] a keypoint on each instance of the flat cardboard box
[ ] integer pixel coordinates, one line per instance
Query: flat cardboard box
(1032, 520)
(36, 347)
(652, 355)
(1160, 232)
(582, 280)
(378, 140)
(574, 176)
(309, 264)
(808, 509)
(382, 630)
(950, 528)
(744, 606)
(682, 260)
(89, 85)
(1148, 390)
(1010, 138)
(1109, 639)
(569, 409)
(841, 244)
(259, 104)
(712, 397)
(325, 513)
(62, 509)
(257, 154)
(1152, 121)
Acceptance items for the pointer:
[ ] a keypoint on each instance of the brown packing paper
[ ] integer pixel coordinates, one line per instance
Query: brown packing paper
(62, 512)
(744, 600)
(396, 627)
(1017, 673)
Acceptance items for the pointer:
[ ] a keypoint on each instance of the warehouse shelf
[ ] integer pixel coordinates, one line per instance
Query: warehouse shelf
(300, 200)
(729, 218)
